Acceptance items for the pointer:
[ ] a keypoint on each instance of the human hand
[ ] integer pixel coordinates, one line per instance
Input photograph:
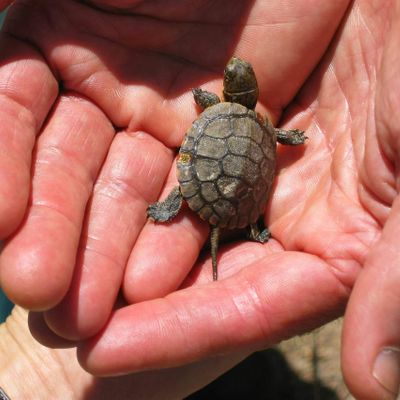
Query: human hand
(326, 213)
(131, 70)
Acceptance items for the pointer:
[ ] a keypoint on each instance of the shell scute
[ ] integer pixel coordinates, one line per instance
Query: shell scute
(212, 148)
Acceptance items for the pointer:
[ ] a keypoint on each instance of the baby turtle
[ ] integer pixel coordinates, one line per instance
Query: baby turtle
(226, 164)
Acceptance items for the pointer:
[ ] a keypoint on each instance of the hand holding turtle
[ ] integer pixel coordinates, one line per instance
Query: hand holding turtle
(90, 187)
(340, 210)
(333, 209)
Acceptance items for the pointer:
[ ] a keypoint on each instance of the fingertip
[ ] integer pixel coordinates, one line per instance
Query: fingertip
(91, 297)
(64, 320)
(150, 274)
(73, 321)
(22, 289)
(93, 367)
(31, 277)
(45, 336)
(371, 331)
(98, 357)
(125, 344)
(370, 375)
(163, 256)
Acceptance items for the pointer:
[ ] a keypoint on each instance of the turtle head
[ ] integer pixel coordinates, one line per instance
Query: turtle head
(240, 83)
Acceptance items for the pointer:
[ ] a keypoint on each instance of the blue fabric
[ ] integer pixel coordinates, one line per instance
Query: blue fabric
(5, 306)
(2, 16)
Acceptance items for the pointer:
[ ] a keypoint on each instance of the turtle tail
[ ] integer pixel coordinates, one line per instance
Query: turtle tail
(214, 238)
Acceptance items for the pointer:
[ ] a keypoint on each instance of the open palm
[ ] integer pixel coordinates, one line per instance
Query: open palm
(107, 86)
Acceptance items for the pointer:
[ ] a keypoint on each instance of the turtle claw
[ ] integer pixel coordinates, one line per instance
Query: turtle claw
(257, 235)
(263, 236)
(291, 137)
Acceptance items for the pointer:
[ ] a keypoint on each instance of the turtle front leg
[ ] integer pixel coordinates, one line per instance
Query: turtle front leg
(205, 99)
(291, 137)
(164, 211)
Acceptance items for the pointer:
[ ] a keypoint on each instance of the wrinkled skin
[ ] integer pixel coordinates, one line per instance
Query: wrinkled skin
(75, 197)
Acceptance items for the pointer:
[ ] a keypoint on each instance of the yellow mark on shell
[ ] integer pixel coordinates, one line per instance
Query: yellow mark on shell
(184, 158)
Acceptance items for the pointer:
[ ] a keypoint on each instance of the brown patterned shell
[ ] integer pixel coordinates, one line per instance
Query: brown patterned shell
(226, 165)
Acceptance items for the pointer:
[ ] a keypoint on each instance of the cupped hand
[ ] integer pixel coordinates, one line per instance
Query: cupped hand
(109, 93)
(107, 96)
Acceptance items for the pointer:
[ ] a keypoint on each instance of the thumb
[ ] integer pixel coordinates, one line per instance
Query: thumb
(371, 333)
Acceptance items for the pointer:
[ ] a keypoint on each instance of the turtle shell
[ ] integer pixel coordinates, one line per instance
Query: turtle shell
(226, 165)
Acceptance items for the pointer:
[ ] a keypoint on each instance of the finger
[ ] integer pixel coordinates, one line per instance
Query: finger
(44, 335)
(37, 263)
(133, 174)
(27, 91)
(179, 382)
(164, 253)
(273, 298)
(176, 383)
(371, 335)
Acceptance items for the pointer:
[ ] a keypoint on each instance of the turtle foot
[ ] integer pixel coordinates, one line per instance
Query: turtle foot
(292, 137)
(164, 211)
(205, 99)
(257, 235)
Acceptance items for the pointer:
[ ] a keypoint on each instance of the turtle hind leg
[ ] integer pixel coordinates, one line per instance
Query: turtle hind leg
(164, 211)
(259, 235)
(205, 99)
(214, 239)
(291, 137)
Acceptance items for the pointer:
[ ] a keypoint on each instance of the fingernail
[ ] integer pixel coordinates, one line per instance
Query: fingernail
(387, 369)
